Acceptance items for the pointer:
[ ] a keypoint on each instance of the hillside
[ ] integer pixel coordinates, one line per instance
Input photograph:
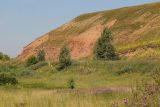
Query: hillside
(136, 33)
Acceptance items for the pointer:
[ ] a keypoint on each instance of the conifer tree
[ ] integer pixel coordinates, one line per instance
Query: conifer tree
(103, 49)
(64, 58)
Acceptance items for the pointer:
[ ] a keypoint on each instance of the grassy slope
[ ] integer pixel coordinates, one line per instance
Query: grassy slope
(41, 87)
(90, 74)
(135, 27)
(48, 87)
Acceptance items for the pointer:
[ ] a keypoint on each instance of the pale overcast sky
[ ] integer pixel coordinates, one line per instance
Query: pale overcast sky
(21, 21)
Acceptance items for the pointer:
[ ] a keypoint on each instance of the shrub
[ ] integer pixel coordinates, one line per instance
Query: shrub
(103, 49)
(4, 57)
(41, 55)
(1, 55)
(64, 58)
(38, 65)
(71, 84)
(31, 61)
(8, 67)
(125, 69)
(7, 79)
(27, 73)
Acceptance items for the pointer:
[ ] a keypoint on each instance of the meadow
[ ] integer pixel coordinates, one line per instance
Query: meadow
(97, 83)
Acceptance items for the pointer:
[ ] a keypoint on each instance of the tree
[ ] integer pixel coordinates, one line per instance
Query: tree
(64, 58)
(41, 55)
(31, 61)
(103, 49)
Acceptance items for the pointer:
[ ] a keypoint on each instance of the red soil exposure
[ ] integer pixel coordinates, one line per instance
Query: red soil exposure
(80, 45)
(52, 53)
(30, 49)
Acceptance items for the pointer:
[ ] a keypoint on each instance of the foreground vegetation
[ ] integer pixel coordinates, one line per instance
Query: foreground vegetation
(106, 82)
(57, 98)
(96, 83)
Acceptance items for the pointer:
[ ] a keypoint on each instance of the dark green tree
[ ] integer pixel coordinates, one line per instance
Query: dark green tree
(31, 61)
(41, 55)
(64, 58)
(103, 49)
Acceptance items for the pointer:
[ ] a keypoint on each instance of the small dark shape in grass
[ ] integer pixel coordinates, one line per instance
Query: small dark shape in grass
(71, 84)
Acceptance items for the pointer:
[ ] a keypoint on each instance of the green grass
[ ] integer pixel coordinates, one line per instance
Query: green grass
(90, 74)
(149, 38)
(98, 83)
(57, 98)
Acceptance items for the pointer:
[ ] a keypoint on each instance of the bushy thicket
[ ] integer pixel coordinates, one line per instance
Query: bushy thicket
(64, 58)
(103, 49)
(8, 67)
(38, 65)
(121, 67)
(26, 73)
(4, 57)
(41, 55)
(32, 60)
(7, 79)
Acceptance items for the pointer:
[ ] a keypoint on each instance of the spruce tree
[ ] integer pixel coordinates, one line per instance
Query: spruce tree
(64, 58)
(103, 49)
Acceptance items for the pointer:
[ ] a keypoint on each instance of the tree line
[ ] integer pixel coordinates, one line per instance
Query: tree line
(103, 50)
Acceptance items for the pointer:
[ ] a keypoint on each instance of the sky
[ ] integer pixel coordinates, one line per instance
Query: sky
(22, 21)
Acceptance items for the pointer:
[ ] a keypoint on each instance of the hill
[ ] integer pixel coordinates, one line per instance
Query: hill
(136, 32)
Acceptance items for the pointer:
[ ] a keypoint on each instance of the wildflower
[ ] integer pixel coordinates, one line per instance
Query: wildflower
(126, 102)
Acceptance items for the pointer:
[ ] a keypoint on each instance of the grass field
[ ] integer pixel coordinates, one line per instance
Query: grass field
(58, 98)
(97, 83)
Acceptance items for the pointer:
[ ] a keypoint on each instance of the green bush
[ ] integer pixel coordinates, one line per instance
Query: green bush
(4, 57)
(38, 65)
(7, 79)
(71, 84)
(64, 58)
(103, 49)
(27, 73)
(1, 55)
(31, 61)
(41, 55)
(125, 69)
(8, 67)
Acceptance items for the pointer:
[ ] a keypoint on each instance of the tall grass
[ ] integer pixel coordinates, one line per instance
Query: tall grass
(55, 98)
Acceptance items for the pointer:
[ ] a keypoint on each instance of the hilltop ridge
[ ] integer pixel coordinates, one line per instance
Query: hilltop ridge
(136, 33)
